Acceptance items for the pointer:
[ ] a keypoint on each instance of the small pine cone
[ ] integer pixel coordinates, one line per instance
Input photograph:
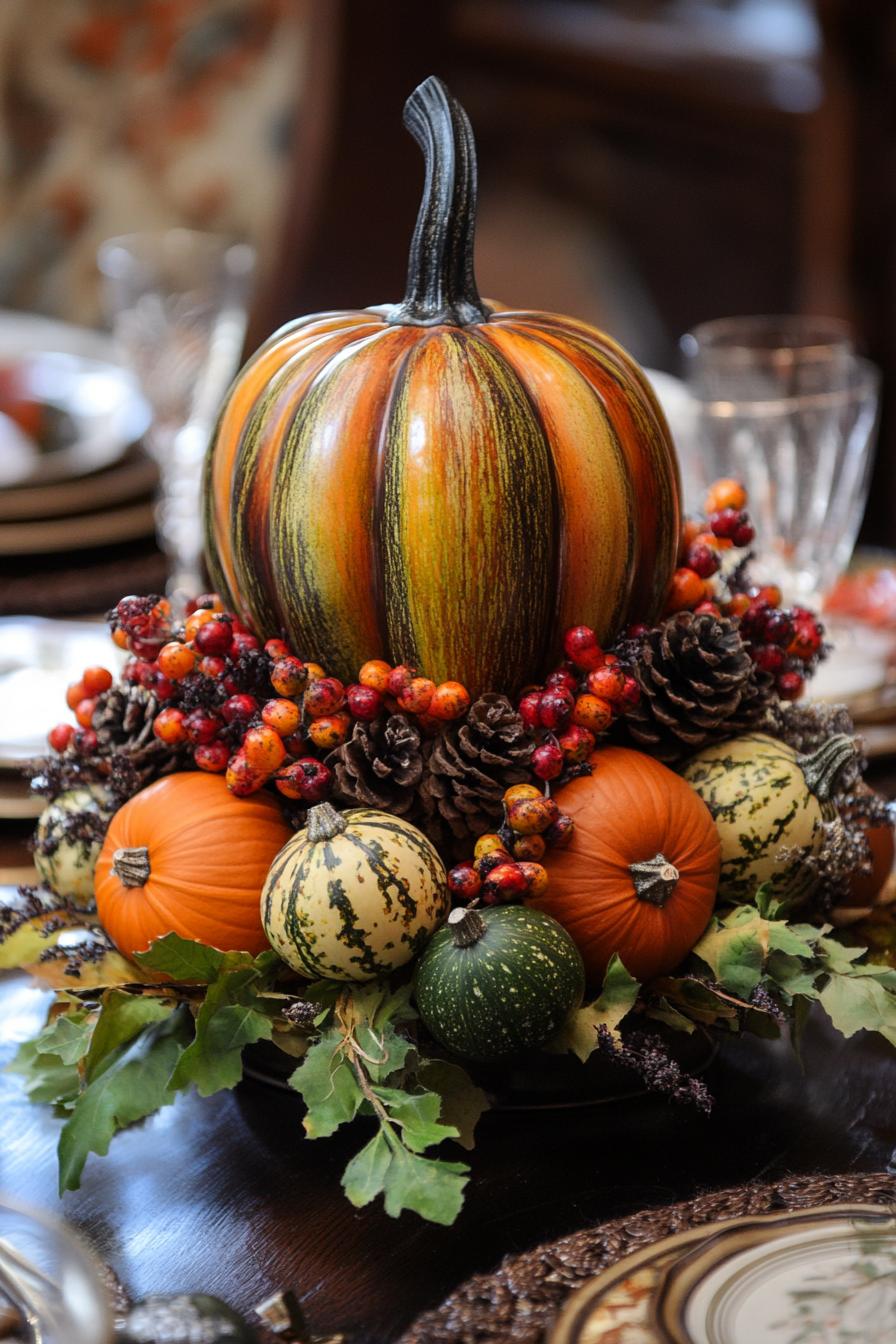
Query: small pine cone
(698, 684)
(471, 765)
(380, 766)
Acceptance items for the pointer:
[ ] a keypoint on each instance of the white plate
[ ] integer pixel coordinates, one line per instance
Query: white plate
(38, 659)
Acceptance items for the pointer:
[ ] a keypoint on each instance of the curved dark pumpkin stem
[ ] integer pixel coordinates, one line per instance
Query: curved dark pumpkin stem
(441, 283)
(655, 879)
(467, 926)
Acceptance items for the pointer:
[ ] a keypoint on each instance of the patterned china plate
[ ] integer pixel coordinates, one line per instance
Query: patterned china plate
(809, 1277)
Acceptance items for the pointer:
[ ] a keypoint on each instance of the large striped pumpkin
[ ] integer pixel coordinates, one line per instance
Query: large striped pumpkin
(438, 482)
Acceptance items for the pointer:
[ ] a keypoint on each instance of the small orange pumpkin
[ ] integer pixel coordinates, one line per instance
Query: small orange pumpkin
(640, 874)
(184, 856)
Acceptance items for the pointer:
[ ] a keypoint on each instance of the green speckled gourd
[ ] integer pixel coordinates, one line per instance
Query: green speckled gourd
(495, 982)
(353, 895)
(68, 841)
(765, 799)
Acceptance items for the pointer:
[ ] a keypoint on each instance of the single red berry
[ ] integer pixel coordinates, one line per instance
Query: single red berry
(324, 696)
(738, 604)
(214, 637)
(686, 589)
(806, 639)
(60, 736)
(277, 648)
(364, 702)
(169, 726)
(577, 743)
(329, 731)
(201, 726)
(241, 643)
(296, 744)
(133, 671)
(769, 595)
(242, 777)
(638, 630)
(778, 628)
(506, 882)
(608, 682)
(84, 711)
(85, 741)
(790, 685)
(212, 756)
(536, 878)
(416, 697)
(238, 627)
(547, 761)
(581, 647)
(769, 657)
(703, 560)
(631, 695)
(529, 709)
(564, 678)
(96, 680)
(560, 832)
(491, 860)
(743, 535)
(147, 648)
(375, 673)
(555, 708)
(307, 779)
(239, 708)
(464, 882)
(400, 677)
(213, 667)
(726, 522)
(159, 684)
(289, 675)
(594, 713)
(707, 609)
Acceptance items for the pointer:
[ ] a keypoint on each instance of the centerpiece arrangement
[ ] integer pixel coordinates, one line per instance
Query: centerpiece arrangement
(478, 751)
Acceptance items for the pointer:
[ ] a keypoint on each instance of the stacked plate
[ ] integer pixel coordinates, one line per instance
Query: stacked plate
(804, 1277)
(76, 488)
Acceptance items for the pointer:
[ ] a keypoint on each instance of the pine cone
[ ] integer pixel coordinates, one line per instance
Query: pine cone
(129, 755)
(698, 684)
(380, 766)
(470, 766)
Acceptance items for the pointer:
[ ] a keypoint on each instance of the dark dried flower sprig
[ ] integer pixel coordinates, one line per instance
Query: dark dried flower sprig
(648, 1057)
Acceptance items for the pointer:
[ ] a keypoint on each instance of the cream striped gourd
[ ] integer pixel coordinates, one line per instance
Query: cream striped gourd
(498, 981)
(68, 842)
(353, 895)
(765, 799)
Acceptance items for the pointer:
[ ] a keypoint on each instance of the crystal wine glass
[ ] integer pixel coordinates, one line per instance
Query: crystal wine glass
(178, 304)
(785, 405)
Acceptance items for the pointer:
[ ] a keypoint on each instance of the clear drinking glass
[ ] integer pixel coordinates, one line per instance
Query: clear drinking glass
(178, 303)
(785, 405)
(50, 1281)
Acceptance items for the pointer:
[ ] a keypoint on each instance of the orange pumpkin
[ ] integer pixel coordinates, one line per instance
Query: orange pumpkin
(437, 482)
(639, 876)
(184, 856)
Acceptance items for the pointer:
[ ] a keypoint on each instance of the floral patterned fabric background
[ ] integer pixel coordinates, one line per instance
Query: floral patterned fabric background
(119, 115)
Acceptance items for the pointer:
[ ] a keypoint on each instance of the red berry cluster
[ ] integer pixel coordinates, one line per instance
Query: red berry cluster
(788, 643)
(254, 713)
(727, 527)
(506, 863)
(577, 704)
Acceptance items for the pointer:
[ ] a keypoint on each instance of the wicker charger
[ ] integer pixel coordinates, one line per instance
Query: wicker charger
(519, 1302)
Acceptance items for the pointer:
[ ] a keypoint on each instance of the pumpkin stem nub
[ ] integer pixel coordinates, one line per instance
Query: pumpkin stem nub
(324, 822)
(822, 766)
(466, 925)
(131, 866)
(441, 283)
(655, 879)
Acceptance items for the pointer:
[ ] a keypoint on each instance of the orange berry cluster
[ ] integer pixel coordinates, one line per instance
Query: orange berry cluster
(506, 864)
(727, 527)
(255, 713)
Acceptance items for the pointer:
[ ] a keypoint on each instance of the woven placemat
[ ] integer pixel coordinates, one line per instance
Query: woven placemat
(518, 1303)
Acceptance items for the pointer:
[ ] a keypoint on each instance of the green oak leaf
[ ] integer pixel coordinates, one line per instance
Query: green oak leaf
(697, 1000)
(791, 974)
(854, 1003)
(426, 1185)
(328, 1086)
(785, 938)
(418, 1115)
(228, 1020)
(122, 1017)
(663, 1011)
(618, 996)
(384, 1050)
(365, 1175)
(735, 950)
(188, 961)
(67, 1036)
(46, 1078)
(132, 1085)
(462, 1101)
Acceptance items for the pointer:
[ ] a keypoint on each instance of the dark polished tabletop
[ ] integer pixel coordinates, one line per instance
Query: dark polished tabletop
(226, 1196)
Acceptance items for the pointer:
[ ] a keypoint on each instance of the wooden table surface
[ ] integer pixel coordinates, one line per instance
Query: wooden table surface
(226, 1196)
